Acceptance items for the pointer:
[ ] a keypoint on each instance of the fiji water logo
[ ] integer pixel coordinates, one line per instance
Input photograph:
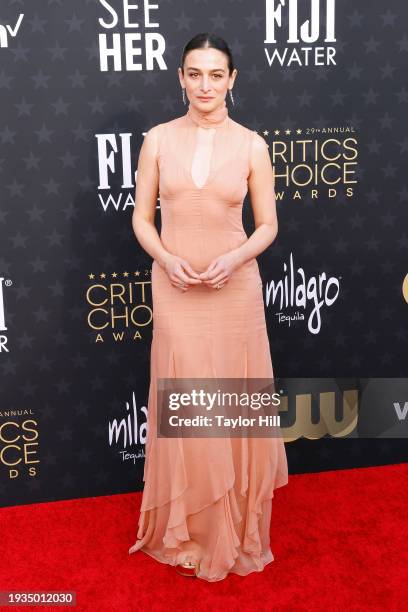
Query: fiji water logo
(115, 170)
(294, 290)
(300, 33)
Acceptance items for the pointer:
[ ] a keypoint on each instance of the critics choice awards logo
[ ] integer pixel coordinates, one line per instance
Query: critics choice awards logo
(119, 305)
(19, 438)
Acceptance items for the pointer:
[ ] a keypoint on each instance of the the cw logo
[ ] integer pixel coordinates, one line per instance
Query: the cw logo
(405, 288)
(8, 29)
(303, 426)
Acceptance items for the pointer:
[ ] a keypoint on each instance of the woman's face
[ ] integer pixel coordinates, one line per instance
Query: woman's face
(206, 75)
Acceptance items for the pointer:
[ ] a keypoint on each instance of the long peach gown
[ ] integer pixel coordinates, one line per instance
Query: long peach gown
(214, 493)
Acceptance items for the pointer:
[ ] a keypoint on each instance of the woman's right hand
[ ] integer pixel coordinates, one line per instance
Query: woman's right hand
(180, 273)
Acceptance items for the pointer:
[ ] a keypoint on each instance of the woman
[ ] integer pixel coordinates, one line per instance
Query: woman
(207, 503)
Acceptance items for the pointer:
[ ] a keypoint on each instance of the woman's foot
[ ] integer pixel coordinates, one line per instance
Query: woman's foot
(187, 564)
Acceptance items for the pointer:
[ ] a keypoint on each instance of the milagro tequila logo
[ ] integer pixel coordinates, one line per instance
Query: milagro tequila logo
(129, 430)
(136, 46)
(301, 24)
(5, 30)
(3, 327)
(295, 290)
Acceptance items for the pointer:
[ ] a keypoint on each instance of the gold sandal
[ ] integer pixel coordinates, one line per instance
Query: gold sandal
(188, 568)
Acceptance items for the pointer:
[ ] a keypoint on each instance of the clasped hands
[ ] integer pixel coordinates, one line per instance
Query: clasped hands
(218, 272)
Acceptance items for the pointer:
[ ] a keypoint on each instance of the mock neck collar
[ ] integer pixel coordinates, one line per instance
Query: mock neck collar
(210, 119)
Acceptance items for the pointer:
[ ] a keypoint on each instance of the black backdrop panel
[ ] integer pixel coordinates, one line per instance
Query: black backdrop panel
(80, 83)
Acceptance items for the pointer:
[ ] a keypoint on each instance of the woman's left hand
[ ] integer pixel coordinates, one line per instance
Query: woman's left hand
(220, 269)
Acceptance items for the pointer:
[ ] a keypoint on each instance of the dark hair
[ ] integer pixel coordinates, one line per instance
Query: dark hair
(204, 41)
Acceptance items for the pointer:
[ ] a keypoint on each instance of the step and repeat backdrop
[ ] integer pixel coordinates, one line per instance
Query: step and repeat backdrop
(324, 82)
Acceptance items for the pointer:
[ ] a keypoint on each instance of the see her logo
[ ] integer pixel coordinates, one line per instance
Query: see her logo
(131, 41)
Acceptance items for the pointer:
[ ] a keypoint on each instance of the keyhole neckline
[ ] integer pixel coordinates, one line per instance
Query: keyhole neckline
(219, 122)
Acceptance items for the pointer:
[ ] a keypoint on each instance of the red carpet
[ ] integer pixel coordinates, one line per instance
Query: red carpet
(339, 540)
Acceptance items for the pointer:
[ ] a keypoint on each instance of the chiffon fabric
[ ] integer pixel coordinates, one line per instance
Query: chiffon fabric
(212, 496)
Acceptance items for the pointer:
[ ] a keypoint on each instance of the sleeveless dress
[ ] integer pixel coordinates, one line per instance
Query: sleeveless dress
(212, 492)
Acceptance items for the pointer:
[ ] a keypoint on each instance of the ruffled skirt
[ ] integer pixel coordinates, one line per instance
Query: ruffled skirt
(214, 492)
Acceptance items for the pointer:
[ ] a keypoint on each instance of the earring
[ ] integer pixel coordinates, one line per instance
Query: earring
(232, 99)
(183, 89)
